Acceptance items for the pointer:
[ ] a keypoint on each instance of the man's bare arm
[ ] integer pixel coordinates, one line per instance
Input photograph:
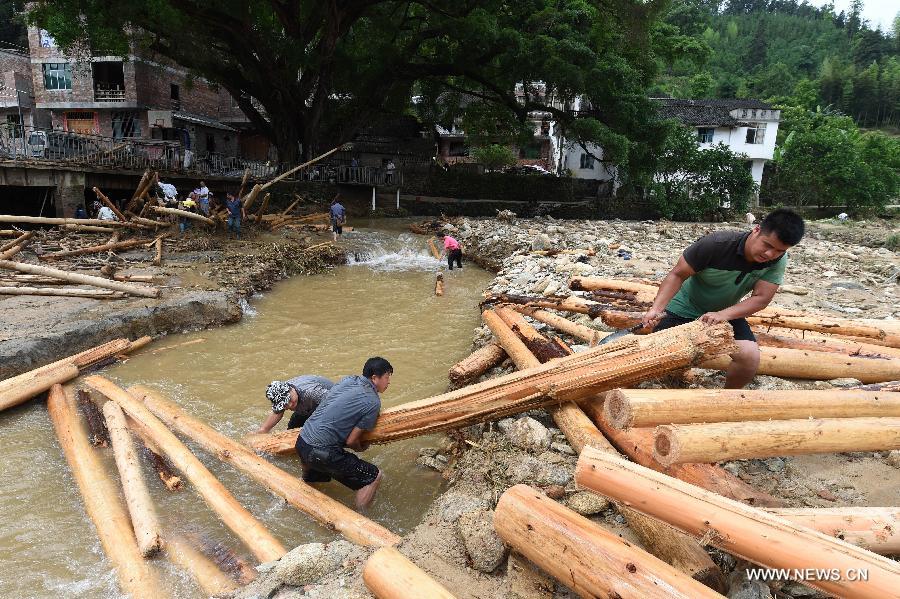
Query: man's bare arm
(762, 294)
(354, 440)
(273, 419)
(667, 290)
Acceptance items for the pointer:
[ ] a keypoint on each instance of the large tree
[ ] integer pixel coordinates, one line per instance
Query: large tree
(309, 72)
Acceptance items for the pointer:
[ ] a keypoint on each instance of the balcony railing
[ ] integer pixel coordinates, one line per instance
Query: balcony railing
(109, 95)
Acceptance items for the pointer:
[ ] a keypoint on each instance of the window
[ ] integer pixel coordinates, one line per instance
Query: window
(57, 75)
(457, 148)
(756, 133)
(125, 124)
(705, 135)
(210, 143)
(14, 124)
(587, 161)
(175, 95)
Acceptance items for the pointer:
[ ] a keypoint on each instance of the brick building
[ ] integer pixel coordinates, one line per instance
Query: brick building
(16, 90)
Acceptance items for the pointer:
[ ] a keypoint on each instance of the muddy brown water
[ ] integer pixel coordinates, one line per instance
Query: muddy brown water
(328, 325)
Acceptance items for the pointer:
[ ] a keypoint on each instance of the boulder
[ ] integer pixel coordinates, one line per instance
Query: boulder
(453, 504)
(541, 242)
(310, 562)
(529, 434)
(483, 546)
(587, 503)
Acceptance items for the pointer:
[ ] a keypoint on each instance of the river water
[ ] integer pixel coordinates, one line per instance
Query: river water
(382, 303)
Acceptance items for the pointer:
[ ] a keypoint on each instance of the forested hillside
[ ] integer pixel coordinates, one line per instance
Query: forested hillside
(791, 53)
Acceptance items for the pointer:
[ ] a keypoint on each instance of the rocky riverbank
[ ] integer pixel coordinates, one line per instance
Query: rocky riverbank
(837, 269)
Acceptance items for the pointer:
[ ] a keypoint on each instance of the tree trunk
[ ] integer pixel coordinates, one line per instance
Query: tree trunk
(821, 366)
(719, 442)
(95, 249)
(641, 292)
(109, 204)
(564, 325)
(331, 513)
(157, 258)
(569, 303)
(17, 241)
(184, 214)
(101, 500)
(821, 324)
(476, 363)
(626, 408)
(252, 532)
(209, 577)
(744, 531)
(583, 555)
(21, 388)
(876, 529)
(80, 278)
(389, 574)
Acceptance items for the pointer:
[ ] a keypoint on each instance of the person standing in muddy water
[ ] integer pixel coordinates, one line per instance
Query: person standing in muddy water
(301, 394)
(349, 410)
(452, 249)
(338, 215)
(719, 269)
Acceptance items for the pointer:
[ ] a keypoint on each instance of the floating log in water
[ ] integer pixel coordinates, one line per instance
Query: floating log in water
(874, 528)
(250, 530)
(98, 434)
(721, 441)
(741, 530)
(319, 506)
(80, 278)
(209, 577)
(583, 555)
(137, 498)
(389, 574)
(183, 214)
(574, 377)
(161, 466)
(439, 285)
(626, 408)
(821, 366)
(224, 557)
(57, 292)
(477, 363)
(95, 249)
(23, 387)
(101, 501)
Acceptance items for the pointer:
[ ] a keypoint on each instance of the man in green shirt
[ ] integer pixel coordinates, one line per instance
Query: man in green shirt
(716, 272)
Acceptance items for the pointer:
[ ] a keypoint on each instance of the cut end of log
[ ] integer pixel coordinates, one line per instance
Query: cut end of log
(617, 411)
(663, 445)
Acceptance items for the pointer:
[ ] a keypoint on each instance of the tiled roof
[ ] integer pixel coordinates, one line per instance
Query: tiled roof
(706, 112)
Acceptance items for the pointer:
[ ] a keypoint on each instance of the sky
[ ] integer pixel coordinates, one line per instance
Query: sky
(876, 12)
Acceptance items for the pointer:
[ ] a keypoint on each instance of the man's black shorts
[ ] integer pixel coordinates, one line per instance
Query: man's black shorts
(337, 228)
(323, 464)
(741, 327)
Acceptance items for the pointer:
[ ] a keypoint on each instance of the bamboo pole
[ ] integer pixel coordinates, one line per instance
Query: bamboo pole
(252, 532)
(183, 213)
(583, 555)
(211, 580)
(331, 513)
(876, 529)
(672, 546)
(476, 363)
(80, 278)
(741, 530)
(95, 249)
(21, 388)
(109, 204)
(822, 366)
(52, 291)
(572, 378)
(439, 285)
(47, 220)
(137, 497)
(721, 441)
(389, 574)
(101, 501)
(564, 325)
(21, 239)
(626, 408)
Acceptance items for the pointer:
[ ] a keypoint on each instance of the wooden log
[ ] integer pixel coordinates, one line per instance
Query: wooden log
(211, 580)
(9, 233)
(666, 543)
(80, 278)
(157, 258)
(544, 349)
(564, 325)
(262, 208)
(286, 174)
(54, 291)
(250, 198)
(244, 180)
(583, 555)
(47, 220)
(138, 192)
(183, 214)
(641, 292)
(433, 248)
(88, 229)
(160, 465)
(101, 501)
(331, 513)
(439, 285)
(822, 324)
(137, 497)
(20, 389)
(98, 434)
(135, 278)
(721, 441)
(287, 210)
(833, 345)
(389, 574)
(562, 303)
(109, 204)
(637, 444)
(21, 239)
(741, 530)
(11, 251)
(252, 532)
(574, 377)
(224, 557)
(876, 529)
(476, 363)
(149, 222)
(822, 366)
(626, 408)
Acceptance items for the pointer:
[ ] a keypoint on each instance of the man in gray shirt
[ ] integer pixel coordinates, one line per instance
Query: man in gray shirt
(349, 410)
(302, 394)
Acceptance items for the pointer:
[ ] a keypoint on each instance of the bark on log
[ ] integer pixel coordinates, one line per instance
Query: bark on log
(23, 387)
(157, 258)
(184, 214)
(876, 529)
(252, 532)
(708, 443)
(821, 324)
(439, 285)
(98, 434)
(821, 366)
(637, 444)
(748, 532)
(159, 464)
(331, 513)
(389, 574)
(583, 555)
(889, 386)
(477, 363)
(566, 303)
(21, 239)
(626, 408)
(101, 501)
(109, 204)
(48, 220)
(80, 278)
(94, 249)
(544, 349)
(207, 574)
(88, 229)
(57, 292)
(625, 361)
(564, 325)
(137, 498)
(833, 345)
(641, 291)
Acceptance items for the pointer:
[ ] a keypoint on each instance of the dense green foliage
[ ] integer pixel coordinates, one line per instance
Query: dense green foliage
(789, 52)
(494, 156)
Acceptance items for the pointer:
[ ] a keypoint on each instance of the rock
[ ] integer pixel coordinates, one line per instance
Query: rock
(505, 425)
(553, 474)
(551, 289)
(529, 434)
(453, 504)
(556, 492)
(794, 289)
(563, 448)
(428, 452)
(541, 243)
(431, 462)
(522, 469)
(843, 284)
(587, 503)
(310, 562)
(844, 382)
(483, 546)
(774, 464)
(795, 589)
(893, 458)
(733, 468)
(739, 587)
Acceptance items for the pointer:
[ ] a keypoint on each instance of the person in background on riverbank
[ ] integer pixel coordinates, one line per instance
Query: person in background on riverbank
(338, 215)
(235, 207)
(452, 249)
(301, 394)
(349, 410)
(719, 269)
(106, 213)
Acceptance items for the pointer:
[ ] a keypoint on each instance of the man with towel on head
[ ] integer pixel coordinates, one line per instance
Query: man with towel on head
(301, 394)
